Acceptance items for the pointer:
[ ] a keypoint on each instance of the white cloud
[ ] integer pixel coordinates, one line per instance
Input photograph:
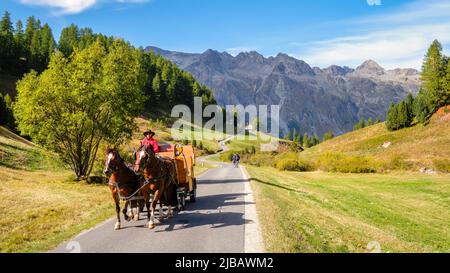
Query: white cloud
(374, 2)
(73, 6)
(393, 43)
(62, 6)
(234, 51)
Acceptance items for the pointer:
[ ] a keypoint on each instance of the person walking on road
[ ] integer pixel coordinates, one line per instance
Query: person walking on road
(235, 159)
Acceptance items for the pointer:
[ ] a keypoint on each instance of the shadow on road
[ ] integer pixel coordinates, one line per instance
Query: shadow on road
(213, 202)
(220, 181)
(197, 219)
(207, 211)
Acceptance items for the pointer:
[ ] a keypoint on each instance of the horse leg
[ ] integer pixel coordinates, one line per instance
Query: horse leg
(169, 211)
(137, 205)
(125, 211)
(151, 223)
(147, 203)
(131, 210)
(161, 212)
(117, 201)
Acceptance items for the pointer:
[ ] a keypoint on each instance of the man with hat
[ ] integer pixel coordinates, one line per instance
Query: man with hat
(149, 140)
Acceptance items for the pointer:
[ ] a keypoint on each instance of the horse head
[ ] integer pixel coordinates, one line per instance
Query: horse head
(113, 161)
(143, 154)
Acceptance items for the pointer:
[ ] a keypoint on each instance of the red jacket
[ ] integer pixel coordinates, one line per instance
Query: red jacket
(152, 142)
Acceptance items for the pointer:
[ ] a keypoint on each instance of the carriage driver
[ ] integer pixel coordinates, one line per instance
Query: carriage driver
(150, 140)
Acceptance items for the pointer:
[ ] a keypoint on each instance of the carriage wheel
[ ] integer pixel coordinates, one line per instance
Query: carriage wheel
(181, 201)
(193, 195)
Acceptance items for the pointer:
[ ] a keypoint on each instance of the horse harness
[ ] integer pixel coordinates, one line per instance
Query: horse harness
(146, 182)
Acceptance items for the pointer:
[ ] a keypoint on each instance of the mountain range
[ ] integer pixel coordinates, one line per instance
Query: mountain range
(311, 99)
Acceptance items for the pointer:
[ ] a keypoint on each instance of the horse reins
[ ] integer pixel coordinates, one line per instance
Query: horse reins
(146, 181)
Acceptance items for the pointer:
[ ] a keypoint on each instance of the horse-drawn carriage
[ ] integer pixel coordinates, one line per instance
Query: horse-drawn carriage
(166, 178)
(184, 161)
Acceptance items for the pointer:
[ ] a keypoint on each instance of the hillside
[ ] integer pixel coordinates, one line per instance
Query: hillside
(414, 148)
(41, 204)
(312, 100)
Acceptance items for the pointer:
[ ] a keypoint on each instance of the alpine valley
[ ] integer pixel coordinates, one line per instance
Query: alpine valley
(311, 99)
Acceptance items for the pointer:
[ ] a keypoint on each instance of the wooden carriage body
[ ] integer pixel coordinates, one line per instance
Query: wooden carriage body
(184, 163)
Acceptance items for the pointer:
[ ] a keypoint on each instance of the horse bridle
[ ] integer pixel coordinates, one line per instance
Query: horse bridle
(153, 180)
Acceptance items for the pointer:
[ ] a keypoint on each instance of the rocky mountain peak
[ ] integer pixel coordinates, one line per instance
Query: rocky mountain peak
(284, 63)
(336, 70)
(370, 67)
(251, 56)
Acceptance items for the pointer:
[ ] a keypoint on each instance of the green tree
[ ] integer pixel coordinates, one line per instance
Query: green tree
(287, 136)
(315, 140)
(403, 120)
(156, 86)
(433, 71)
(6, 113)
(423, 107)
(446, 85)
(294, 135)
(69, 39)
(409, 103)
(328, 135)
(361, 124)
(29, 31)
(391, 119)
(7, 45)
(78, 102)
(47, 45)
(35, 57)
(20, 47)
(306, 141)
(377, 120)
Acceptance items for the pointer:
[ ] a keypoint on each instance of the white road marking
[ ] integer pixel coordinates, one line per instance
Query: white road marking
(253, 237)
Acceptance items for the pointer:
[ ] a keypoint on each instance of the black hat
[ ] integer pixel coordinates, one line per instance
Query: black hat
(149, 132)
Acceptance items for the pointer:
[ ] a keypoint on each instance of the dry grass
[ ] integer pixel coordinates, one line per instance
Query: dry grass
(417, 146)
(40, 209)
(323, 212)
(41, 205)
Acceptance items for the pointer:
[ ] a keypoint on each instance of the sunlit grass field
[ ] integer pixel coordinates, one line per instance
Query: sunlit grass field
(329, 212)
(41, 204)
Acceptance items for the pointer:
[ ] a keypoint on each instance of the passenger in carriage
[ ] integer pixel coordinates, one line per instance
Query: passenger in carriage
(149, 134)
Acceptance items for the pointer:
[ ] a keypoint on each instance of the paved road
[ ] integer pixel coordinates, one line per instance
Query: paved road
(215, 223)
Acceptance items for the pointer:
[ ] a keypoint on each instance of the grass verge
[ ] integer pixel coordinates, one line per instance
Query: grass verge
(41, 209)
(329, 212)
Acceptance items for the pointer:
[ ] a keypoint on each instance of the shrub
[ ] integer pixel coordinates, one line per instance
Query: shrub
(260, 160)
(442, 165)
(338, 162)
(294, 165)
(398, 163)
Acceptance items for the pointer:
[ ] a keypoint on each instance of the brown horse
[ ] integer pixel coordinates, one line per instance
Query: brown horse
(123, 182)
(159, 179)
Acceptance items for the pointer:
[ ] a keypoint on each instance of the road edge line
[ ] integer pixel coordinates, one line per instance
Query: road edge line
(253, 241)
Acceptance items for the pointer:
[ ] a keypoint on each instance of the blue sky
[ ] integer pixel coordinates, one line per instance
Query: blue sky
(395, 33)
